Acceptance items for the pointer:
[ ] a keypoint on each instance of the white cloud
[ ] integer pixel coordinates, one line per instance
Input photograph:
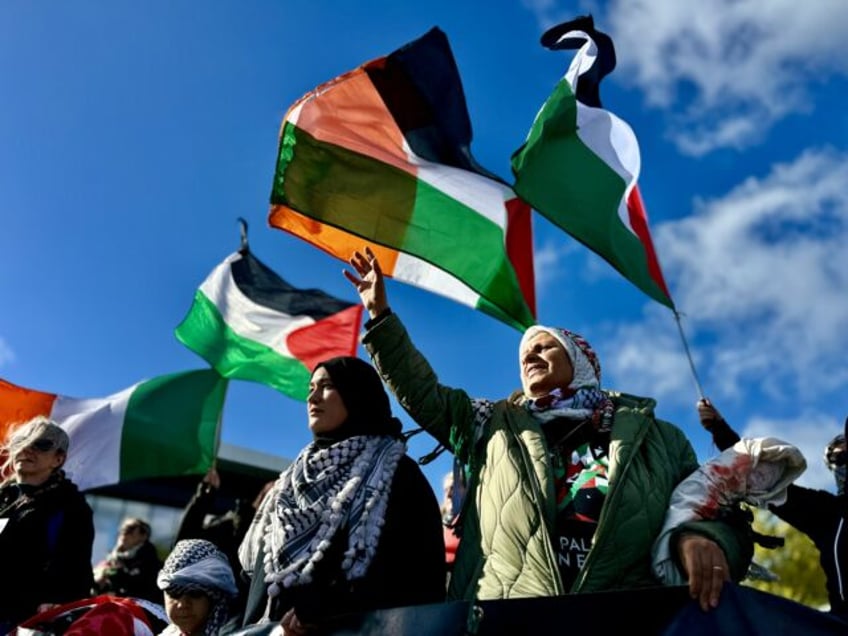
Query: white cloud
(763, 270)
(728, 69)
(810, 432)
(647, 358)
(761, 276)
(547, 261)
(6, 353)
(731, 67)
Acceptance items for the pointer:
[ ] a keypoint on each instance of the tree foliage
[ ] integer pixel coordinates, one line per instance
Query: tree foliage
(796, 564)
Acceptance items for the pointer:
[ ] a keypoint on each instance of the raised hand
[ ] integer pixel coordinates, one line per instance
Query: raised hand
(212, 478)
(707, 413)
(368, 281)
(723, 435)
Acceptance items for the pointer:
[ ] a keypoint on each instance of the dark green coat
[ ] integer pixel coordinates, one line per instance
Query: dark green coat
(510, 507)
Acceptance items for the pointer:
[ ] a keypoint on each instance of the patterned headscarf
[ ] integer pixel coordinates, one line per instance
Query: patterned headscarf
(195, 565)
(366, 401)
(583, 397)
(587, 367)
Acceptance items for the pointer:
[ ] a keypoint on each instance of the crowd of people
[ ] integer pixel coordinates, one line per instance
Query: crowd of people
(563, 487)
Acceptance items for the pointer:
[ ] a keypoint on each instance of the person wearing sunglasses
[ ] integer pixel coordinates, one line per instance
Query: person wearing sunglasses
(46, 527)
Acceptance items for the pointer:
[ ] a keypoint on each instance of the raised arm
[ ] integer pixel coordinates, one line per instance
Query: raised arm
(446, 413)
(368, 281)
(723, 435)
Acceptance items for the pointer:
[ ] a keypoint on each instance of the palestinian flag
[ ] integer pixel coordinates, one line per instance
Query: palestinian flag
(95, 616)
(161, 427)
(380, 156)
(250, 324)
(580, 163)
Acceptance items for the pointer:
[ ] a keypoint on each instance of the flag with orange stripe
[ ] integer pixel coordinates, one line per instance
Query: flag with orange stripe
(380, 156)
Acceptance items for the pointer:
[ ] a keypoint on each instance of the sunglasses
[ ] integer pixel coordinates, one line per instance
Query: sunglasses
(42, 445)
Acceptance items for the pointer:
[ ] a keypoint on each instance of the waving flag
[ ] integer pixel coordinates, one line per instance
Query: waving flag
(580, 163)
(250, 324)
(161, 427)
(104, 614)
(380, 156)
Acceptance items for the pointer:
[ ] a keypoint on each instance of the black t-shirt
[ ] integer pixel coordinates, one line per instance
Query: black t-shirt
(579, 457)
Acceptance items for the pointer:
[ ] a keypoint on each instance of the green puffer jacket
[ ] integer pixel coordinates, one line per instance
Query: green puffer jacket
(509, 510)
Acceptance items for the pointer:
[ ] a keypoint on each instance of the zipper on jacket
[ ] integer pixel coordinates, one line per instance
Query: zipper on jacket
(537, 498)
(839, 582)
(611, 499)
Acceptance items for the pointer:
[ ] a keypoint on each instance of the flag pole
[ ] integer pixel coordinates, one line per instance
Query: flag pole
(218, 428)
(243, 229)
(698, 386)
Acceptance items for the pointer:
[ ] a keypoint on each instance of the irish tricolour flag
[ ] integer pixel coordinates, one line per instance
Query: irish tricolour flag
(250, 324)
(161, 427)
(380, 156)
(580, 163)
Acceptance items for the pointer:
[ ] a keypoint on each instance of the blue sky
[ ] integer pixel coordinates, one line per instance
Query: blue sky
(132, 136)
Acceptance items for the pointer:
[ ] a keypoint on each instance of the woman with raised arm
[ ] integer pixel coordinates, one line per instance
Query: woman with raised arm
(569, 484)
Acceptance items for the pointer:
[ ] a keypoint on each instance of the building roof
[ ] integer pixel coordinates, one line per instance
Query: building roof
(243, 472)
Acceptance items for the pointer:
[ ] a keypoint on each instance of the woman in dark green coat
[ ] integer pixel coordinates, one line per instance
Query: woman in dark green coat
(568, 484)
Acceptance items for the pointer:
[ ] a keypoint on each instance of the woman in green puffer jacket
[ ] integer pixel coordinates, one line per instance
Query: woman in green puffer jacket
(568, 484)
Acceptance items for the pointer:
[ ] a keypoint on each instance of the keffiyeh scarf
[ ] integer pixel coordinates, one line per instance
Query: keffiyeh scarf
(586, 403)
(196, 565)
(345, 485)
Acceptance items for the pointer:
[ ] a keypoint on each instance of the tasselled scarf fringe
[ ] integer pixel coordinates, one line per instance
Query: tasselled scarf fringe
(325, 489)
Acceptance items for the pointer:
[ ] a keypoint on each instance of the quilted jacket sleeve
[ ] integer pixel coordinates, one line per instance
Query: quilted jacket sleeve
(446, 413)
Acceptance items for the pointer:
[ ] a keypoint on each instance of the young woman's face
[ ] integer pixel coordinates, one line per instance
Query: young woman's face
(189, 612)
(325, 409)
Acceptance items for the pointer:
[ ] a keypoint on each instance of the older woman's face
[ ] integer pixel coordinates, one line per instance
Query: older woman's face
(33, 465)
(324, 405)
(545, 366)
(189, 611)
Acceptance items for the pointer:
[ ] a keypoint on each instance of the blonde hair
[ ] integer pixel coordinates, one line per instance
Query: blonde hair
(21, 436)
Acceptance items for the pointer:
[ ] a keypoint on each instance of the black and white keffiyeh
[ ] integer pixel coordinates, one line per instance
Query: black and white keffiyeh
(345, 485)
(195, 565)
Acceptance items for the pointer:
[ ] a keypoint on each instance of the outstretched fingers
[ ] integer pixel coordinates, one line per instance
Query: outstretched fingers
(353, 278)
(372, 261)
(359, 263)
(368, 281)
